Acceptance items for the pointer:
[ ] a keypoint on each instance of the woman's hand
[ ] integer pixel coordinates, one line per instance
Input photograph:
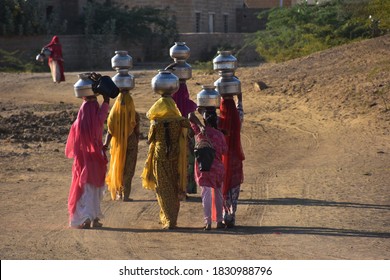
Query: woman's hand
(106, 99)
(202, 129)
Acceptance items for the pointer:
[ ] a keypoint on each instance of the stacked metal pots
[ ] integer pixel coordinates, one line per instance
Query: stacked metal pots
(180, 52)
(228, 84)
(122, 62)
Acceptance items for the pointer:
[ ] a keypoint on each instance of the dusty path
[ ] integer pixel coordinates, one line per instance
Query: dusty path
(317, 169)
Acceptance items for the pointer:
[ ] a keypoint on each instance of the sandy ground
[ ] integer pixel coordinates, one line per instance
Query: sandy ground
(316, 136)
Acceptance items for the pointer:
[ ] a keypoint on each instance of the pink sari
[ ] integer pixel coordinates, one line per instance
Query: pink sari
(85, 145)
(183, 101)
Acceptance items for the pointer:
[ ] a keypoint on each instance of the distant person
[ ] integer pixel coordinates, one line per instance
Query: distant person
(230, 121)
(122, 137)
(85, 146)
(167, 155)
(55, 60)
(210, 182)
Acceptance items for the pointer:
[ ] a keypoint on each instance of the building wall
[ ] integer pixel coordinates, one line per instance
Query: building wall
(266, 4)
(183, 10)
(86, 54)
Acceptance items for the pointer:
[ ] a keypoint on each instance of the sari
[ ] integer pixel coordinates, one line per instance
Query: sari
(186, 106)
(166, 165)
(56, 61)
(230, 124)
(84, 145)
(120, 124)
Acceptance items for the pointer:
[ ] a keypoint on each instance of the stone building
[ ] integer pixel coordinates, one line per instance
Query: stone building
(197, 16)
(205, 25)
(192, 16)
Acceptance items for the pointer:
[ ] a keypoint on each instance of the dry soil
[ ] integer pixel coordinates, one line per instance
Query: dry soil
(316, 136)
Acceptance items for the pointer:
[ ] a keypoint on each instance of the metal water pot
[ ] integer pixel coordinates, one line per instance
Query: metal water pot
(208, 97)
(228, 84)
(165, 82)
(121, 60)
(40, 57)
(225, 61)
(123, 80)
(46, 52)
(179, 51)
(182, 70)
(83, 87)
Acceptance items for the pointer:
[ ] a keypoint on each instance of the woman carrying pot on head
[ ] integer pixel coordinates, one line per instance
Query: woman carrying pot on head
(210, 182)
(85, 146)
(230, 121)
(55, 61)
(122, 136)
(186, 106)
(166, 157)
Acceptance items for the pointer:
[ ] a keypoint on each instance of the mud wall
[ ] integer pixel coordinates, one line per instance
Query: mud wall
(83, 53)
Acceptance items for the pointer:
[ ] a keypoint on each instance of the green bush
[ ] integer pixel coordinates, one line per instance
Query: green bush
(21, 17)
(304, 29)
(18, 62)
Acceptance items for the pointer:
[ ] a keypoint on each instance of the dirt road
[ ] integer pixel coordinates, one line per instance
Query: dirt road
(317, 171)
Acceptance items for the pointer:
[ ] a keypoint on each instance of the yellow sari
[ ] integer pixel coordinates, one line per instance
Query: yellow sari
(164, 109)
(121, 123)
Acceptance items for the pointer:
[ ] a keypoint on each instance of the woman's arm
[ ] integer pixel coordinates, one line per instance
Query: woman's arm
(194, 119)
(240, 108)
(107, 141)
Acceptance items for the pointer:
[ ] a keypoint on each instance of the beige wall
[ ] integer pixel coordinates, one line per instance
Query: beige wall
(82, 54)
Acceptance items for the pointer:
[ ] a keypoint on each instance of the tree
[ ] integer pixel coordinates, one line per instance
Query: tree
(137, 23)
(304, 29)
(21, 17)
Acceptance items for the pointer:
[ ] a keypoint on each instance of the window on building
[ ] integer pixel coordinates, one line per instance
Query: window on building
(226, 23)
(211, 22)
(197, 22)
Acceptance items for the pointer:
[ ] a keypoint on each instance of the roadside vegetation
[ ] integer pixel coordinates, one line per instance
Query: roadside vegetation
(290, 32)
(304, 29)
(101, 23)
(26, 18)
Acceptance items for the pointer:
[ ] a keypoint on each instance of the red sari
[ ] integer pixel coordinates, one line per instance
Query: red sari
(230, 124)
(56, 62)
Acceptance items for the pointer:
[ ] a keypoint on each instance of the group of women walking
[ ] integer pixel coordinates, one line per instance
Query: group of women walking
(166, 166)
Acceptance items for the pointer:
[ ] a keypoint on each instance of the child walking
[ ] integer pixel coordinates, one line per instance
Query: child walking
(210, 182)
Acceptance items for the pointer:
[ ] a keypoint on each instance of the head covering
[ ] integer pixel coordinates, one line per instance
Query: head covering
(56, 55)
(84, 144)
(55, 47)
(163, 108)
(230, 124)
(211, 118)
(120, 123)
